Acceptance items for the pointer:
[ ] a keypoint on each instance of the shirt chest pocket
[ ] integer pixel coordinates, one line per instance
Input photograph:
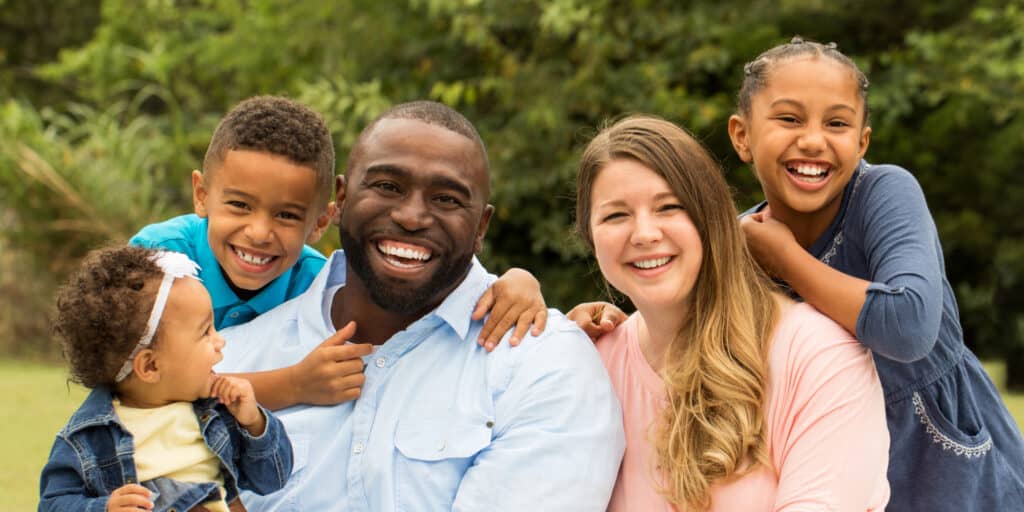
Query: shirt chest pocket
(433, 456)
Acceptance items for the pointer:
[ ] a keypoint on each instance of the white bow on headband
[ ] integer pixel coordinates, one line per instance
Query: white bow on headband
(175, 265)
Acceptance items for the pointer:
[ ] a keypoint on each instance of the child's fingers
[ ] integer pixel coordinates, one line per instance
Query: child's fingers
(341, 336)
(130, 497)
(540, 321)
(497, 323)
(483, 305)
(522, 326)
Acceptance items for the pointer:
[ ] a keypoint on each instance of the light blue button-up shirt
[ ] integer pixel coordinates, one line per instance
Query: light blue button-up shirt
(442, 424)
(188, 234)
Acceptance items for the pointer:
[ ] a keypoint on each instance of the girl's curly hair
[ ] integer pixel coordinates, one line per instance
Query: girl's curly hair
(102, 311)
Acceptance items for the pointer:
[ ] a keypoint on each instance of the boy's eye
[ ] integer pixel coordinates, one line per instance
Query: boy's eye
(237, 204)
(289, 216)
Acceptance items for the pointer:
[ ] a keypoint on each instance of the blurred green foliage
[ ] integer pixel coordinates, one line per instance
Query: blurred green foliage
(108, 104)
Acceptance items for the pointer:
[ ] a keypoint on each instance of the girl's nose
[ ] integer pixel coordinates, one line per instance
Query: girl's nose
(811, 141)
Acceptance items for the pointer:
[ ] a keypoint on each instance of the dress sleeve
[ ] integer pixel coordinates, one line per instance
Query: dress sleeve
(558, 437)
(829, 436)
(902, 312)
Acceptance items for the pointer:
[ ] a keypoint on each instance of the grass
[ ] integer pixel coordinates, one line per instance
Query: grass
(36, 401)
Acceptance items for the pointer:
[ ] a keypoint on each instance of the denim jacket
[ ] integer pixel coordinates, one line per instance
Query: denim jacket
(93, 455)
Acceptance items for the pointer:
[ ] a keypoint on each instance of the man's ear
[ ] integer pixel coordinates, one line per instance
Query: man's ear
(339, 200)
(322, 222)
(199, 193)
(738, 136)
(481, 230)
(146, 367)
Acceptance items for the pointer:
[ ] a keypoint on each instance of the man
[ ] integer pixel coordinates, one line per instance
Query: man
(440, 424)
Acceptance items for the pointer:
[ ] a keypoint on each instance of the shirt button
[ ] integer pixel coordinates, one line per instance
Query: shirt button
(358, 448)
(380, 362)
(234, 314)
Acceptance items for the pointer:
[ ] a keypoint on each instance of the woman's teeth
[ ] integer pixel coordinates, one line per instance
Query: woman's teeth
(649, 264)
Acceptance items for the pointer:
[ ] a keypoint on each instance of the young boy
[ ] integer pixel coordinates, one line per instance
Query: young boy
(262, 195)
(159, 431)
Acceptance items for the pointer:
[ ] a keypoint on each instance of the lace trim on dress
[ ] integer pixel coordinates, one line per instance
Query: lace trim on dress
(942, 439)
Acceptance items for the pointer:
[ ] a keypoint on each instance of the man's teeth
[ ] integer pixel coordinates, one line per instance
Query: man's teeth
(251, 259)
(404, 252)
(648, 264)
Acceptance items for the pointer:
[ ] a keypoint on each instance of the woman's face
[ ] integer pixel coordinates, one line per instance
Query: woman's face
(645, 243)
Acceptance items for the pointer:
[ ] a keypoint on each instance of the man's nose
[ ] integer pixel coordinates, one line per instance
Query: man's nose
(413, 213)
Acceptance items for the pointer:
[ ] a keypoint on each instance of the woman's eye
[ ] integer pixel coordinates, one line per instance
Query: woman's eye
(613, 216)
(671, 207)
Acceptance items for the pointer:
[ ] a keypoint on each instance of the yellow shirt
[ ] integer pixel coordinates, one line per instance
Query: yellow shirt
(168, 443)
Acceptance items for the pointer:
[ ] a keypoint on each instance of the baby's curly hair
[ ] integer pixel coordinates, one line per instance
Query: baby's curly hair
(102, 311)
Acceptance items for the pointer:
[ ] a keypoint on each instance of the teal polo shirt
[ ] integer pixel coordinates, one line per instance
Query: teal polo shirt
(187, 234)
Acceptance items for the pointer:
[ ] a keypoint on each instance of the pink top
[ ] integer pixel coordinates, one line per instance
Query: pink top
(827, 438)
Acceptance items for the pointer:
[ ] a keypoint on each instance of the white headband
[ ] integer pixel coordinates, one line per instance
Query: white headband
(175, 265)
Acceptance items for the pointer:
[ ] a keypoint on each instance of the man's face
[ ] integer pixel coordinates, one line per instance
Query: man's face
(413, 212)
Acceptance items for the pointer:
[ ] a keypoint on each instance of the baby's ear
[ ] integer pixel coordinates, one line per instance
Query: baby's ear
(146, 367)
(199, 192)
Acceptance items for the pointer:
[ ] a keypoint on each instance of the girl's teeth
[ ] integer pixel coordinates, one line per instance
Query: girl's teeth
(649, 264)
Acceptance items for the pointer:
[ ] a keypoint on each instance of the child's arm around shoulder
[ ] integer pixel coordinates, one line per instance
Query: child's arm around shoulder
(515, 298)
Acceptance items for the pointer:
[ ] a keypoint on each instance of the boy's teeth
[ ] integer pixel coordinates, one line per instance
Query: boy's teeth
(249, 258)
(648, 264)
(404, 252)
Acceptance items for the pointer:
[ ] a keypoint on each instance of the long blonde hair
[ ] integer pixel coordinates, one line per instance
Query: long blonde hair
(715, 370)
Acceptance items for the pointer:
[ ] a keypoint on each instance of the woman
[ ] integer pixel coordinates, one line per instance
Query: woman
(734, 397)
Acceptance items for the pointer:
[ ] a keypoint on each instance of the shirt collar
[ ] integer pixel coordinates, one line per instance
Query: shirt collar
(455, 310)
(221, 293)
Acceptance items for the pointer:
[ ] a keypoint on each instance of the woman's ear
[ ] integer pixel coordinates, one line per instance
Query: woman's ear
(146, 366)
(740, 138)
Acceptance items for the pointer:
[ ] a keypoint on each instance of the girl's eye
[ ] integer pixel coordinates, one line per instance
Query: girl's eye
(838, 123)
(788, 119)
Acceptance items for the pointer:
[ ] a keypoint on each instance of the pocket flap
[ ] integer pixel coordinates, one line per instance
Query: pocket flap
(431, 440)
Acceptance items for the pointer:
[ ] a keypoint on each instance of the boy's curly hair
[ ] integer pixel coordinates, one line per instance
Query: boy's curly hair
(278, 126)
(102, 311)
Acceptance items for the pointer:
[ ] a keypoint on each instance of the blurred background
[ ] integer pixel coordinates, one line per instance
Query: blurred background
(105, 107)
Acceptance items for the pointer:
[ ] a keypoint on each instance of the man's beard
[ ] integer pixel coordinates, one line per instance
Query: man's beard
(396, 296)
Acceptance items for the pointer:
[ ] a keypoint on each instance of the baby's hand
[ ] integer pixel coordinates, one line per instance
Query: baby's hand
(130, 498)
(237, 395)
(596, 318)
(333, 372)
(514, 298)
(768, 241)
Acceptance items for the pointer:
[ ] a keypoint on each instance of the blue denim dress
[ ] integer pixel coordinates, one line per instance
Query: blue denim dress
(93, 455)
(954, 445)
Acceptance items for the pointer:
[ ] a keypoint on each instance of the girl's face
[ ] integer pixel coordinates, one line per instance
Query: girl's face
(188, 345)
(645, 243)
(804, 135)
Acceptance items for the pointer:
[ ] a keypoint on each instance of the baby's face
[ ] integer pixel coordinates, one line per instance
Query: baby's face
(188, 346)
(261, 209)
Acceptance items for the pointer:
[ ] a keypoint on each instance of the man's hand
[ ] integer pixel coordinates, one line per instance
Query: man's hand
(237, 395)
(333, 372)
(513, 298)
(597, 318)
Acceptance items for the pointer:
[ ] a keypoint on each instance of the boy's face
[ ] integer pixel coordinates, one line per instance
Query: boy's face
(188, 346)
(261, 208)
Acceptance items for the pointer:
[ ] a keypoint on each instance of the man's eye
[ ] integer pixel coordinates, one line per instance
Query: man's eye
(449, 200)
(386, 186)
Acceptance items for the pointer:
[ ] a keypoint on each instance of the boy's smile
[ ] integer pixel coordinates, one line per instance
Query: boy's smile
(261, 210)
